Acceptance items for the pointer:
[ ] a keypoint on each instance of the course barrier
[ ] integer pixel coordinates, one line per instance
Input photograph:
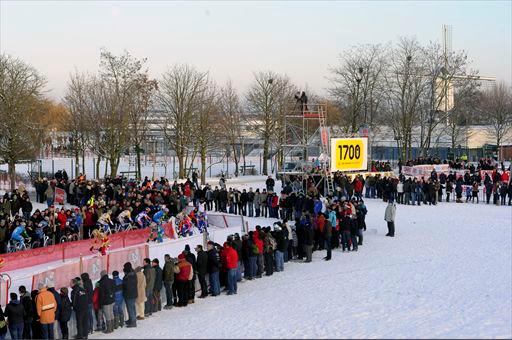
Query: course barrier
(70, 250)
(59, 274)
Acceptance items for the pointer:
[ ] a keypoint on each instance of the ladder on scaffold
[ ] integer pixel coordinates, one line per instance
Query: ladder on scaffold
(324, 142)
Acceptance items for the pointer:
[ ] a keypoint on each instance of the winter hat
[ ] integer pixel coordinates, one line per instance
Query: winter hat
(115, 273)
(211, 243)
(181, 256)
(103, 273)
(187, 247)
(127, 267)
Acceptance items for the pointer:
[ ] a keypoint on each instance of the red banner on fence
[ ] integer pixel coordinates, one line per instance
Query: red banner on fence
(58, 277)
(135, 255)
(59, 195)
(94, 265)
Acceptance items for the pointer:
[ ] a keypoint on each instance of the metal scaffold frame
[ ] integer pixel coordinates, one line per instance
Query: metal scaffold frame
(305, 130)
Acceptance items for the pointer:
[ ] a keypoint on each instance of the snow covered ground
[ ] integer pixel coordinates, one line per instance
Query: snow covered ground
(446, 274)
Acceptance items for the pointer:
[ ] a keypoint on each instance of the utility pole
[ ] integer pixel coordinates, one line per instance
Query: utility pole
(154, 158)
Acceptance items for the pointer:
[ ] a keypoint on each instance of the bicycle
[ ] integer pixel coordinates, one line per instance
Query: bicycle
(104, 228)
(124, 227)
(70, 236)
(14, 246)
(47, 241)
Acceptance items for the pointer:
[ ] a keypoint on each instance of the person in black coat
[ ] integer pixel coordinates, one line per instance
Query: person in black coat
(65, 312)
(14, 312)
(202, 269)
(191, 258)
(3, 324)
(87, 286)
(80, 304)
(213, 267)
(157, 288)
(36, 326)
(130, 293)
(26, 301)
(106, 299)
(309, 238)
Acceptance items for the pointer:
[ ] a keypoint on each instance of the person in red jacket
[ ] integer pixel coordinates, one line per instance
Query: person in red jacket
(231, 260)
(90, 218)
(61, 220)
(182, 280)
(100, 322)
(358, 187)
(259, 244)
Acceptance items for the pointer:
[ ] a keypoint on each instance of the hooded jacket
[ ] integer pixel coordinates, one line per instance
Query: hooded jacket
(14, 312)
(46, 306)
(87, 286)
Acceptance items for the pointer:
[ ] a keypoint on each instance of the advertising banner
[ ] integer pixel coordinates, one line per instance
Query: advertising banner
(349, 154)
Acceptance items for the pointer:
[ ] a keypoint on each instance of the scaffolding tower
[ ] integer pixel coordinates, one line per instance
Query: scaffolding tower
(305, 133)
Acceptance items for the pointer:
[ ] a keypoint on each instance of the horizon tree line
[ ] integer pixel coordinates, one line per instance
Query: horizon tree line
(405, 85)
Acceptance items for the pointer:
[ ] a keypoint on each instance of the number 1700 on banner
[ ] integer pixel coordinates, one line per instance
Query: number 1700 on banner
(348, 154)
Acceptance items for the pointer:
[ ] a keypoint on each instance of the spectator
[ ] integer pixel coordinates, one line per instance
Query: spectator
(65, 312)
(130, 294)
(46, 310)
(14, 312)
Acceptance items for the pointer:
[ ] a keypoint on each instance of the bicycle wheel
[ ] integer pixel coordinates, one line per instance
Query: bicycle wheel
(73, 238)
(63, 239)
(49, 242)
(11, 248)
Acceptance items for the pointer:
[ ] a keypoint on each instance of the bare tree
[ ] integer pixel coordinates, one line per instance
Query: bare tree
(124, 89)
(405, 85)
(180, 95)
(496, 106)
(265, 100)
(76, 123)
(206, 125)
(357, 84)
(141, 99)
(20, 91)
(444, 74)
(231, 120)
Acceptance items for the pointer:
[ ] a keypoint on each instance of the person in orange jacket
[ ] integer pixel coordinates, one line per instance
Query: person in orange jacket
(185, 274)
(46, 307)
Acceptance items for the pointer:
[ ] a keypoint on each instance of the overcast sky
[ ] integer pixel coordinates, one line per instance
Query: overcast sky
(234, 39)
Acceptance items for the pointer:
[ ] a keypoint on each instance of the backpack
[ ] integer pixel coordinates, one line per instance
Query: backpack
(272, 243)
(255, 249)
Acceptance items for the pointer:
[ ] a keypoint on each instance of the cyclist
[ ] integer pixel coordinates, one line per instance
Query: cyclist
(19, 235)
(104, 221)
(160, 215)
(143, 219)
(125, 217)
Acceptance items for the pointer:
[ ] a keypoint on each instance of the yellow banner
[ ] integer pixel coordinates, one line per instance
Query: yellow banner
(349, 154)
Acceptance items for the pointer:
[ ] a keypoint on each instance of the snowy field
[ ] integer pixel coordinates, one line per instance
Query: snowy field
(446, 274)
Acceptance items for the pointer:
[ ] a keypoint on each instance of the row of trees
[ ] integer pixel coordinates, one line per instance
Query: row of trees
(406, 86)
(416, 90)
(113, 110)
